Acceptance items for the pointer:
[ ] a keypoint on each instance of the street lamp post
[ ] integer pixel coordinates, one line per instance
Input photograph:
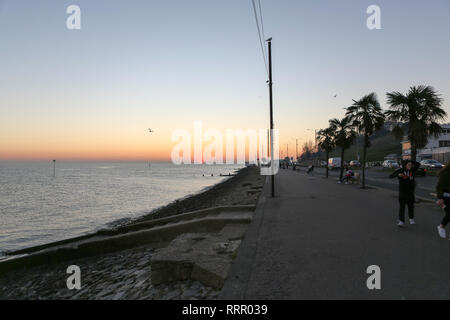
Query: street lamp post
(269, 44)
(315, 139)
(315, 136)
(296, 148)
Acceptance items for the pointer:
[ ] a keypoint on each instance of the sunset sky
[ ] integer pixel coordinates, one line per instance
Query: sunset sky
(92, 94)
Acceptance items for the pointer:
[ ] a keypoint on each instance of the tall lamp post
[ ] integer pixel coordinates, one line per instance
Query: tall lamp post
(315, 136)
(269, 44)
(296, 148)
(315, 139)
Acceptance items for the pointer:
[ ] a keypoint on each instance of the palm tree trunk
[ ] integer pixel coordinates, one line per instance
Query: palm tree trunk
(366, 142)
(326, 170)
(342, 164)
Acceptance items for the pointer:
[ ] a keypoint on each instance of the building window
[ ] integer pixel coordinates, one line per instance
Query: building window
(444, 143)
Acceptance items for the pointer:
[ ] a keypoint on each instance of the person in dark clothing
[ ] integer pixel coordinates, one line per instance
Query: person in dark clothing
(406, 185)
(443, 195)
(349, 174)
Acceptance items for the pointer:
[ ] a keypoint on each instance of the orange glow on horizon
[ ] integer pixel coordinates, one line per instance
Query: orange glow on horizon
(115, 142)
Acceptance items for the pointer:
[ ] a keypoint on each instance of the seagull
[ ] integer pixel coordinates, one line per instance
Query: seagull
(150, 130)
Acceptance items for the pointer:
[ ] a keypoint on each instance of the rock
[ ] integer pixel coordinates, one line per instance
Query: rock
(104, 293)
(165, 269)
(171, 295)
(118, 295)
(189, 293)
(140, 283)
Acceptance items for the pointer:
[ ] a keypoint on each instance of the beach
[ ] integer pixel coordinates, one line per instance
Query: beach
(126, 274)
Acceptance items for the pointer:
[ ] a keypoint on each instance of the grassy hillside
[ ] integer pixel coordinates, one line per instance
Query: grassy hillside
(383, 143)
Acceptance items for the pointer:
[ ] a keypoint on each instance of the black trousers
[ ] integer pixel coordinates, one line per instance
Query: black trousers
(403, 203)
(446, 219)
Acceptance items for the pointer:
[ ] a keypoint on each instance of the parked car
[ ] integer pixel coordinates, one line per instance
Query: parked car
(355, 163)
(421, 171)
(431, 164)
(392, 164)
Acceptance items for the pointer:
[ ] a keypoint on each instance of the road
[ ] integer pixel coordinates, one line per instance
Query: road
(316, 239)
(380, 178)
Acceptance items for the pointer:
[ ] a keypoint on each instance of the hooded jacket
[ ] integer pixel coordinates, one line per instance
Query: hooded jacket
(407, 183)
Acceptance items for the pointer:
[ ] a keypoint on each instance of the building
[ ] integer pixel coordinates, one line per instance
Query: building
(436, 148)
(389, 125)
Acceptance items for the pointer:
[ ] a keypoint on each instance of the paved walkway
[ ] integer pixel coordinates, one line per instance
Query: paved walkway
(316, 238)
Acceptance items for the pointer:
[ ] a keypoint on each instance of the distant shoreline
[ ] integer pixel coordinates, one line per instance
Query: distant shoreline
(207, 197)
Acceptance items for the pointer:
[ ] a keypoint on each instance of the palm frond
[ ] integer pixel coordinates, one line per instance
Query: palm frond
(421, 108)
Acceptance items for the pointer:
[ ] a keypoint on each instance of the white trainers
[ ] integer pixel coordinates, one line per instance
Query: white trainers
(400, 224)
(442, 232)
(411, 221)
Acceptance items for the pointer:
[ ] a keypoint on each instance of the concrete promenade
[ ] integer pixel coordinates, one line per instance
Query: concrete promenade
(316, 238)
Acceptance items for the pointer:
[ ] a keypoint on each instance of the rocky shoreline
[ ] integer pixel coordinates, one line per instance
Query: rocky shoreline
(126, 274)
(225, 193)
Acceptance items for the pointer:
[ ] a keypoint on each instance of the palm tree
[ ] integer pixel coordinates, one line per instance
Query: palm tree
(343, 137)
(421, 110)
(367, 117)
(325, 138)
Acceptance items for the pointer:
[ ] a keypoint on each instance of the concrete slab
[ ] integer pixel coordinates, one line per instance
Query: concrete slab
(202, 257)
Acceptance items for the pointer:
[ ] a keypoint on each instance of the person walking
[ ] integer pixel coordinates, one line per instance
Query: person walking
(406, 186)
(443, 195)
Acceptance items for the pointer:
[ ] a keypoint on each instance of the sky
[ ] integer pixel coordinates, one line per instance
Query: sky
(92, 94)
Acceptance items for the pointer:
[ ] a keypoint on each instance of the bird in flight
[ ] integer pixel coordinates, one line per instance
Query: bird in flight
(150, 130)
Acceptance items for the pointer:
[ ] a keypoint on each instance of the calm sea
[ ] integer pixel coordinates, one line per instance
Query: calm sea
(37, 208)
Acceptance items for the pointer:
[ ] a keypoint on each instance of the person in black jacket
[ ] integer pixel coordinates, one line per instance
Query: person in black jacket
(406, 185)
(443, 195)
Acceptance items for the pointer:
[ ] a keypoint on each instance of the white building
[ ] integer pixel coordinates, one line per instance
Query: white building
(389, 125)
(436, 148)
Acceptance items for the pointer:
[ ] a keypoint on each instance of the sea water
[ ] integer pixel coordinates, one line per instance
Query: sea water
(37, 207)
